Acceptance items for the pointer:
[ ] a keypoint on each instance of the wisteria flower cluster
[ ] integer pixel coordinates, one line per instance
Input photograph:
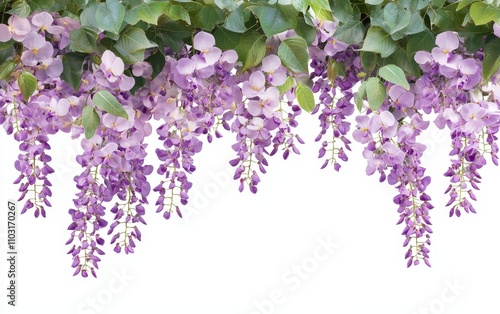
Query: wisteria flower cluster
(105, 85)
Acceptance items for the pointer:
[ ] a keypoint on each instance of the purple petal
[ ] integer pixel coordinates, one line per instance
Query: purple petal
(422, 57)
(212, 55)
(468, 66)
(20, 27)
(496, 29)
(271, 63)
(185, 66)
(42, 20)
(203, 41)
(4, 33)
(110, 62)
(447, 41)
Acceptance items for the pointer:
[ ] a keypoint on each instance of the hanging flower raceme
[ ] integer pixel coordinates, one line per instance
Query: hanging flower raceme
(105, 85)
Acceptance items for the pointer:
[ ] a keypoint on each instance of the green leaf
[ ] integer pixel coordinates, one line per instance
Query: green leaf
(396, 17)
(87, 17)
(473, 36)
(321, 13)
(251, 49)
(335, 69)
(352, 32)
(6, 69)
(416, 25)
(394, 74)
(375, 92)
(438, 3)
(150, 12)
(107, 102)
(342, 10)
(209, 16)
(286, 86)
(21, 8)
(400, 58)
(445, 18)
(40, 5)
(7, 53)
(27, 84)
(377, 40)
(360, 96)
(235, 21)
(72, 69)
(131, 45)
(294, 54)
(482, 13)
(462, 4)
(305, 31)
(225, 39)
(173, 32)
(374, 2)
(157, 62)
(300, 5)
(323, 4)
(421, 41)
(413, 5)
(305, 97)
(273, 21)
(226, 4)
(90, 121)
(177, 12)
(109, 15)
(491, 61)
(368, 60)
(83, 40)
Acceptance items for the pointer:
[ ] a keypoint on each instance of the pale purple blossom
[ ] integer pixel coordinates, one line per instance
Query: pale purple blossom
(205, 42)
(276, 75)
(43, 22)
(38, 49)
(17, 29)
(111, 65)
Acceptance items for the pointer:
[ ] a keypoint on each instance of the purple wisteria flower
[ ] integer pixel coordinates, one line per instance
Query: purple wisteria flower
(38, 49)
(17, 29)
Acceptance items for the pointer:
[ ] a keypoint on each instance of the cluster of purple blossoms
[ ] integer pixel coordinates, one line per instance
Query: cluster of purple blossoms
(263, 119)
(32, 119)
(335, 91)
(390, 137)
(451, 87)
(202, 91)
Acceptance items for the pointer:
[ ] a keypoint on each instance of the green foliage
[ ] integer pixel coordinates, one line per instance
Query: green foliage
(394, 74)
(90, 121)
(109, 15)
(482, 13)
(360, 96)
(132, 44)
(375, 92)
(27, 84)
(491, 62)
(83, 40)
(6, 69)
(251, 49)
(107, 102)
(379, 41)
(294, 54)
(72, 69)
(389, 33)
(305, 97)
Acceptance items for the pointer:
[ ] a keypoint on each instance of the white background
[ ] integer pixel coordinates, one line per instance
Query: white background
(236, 252)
